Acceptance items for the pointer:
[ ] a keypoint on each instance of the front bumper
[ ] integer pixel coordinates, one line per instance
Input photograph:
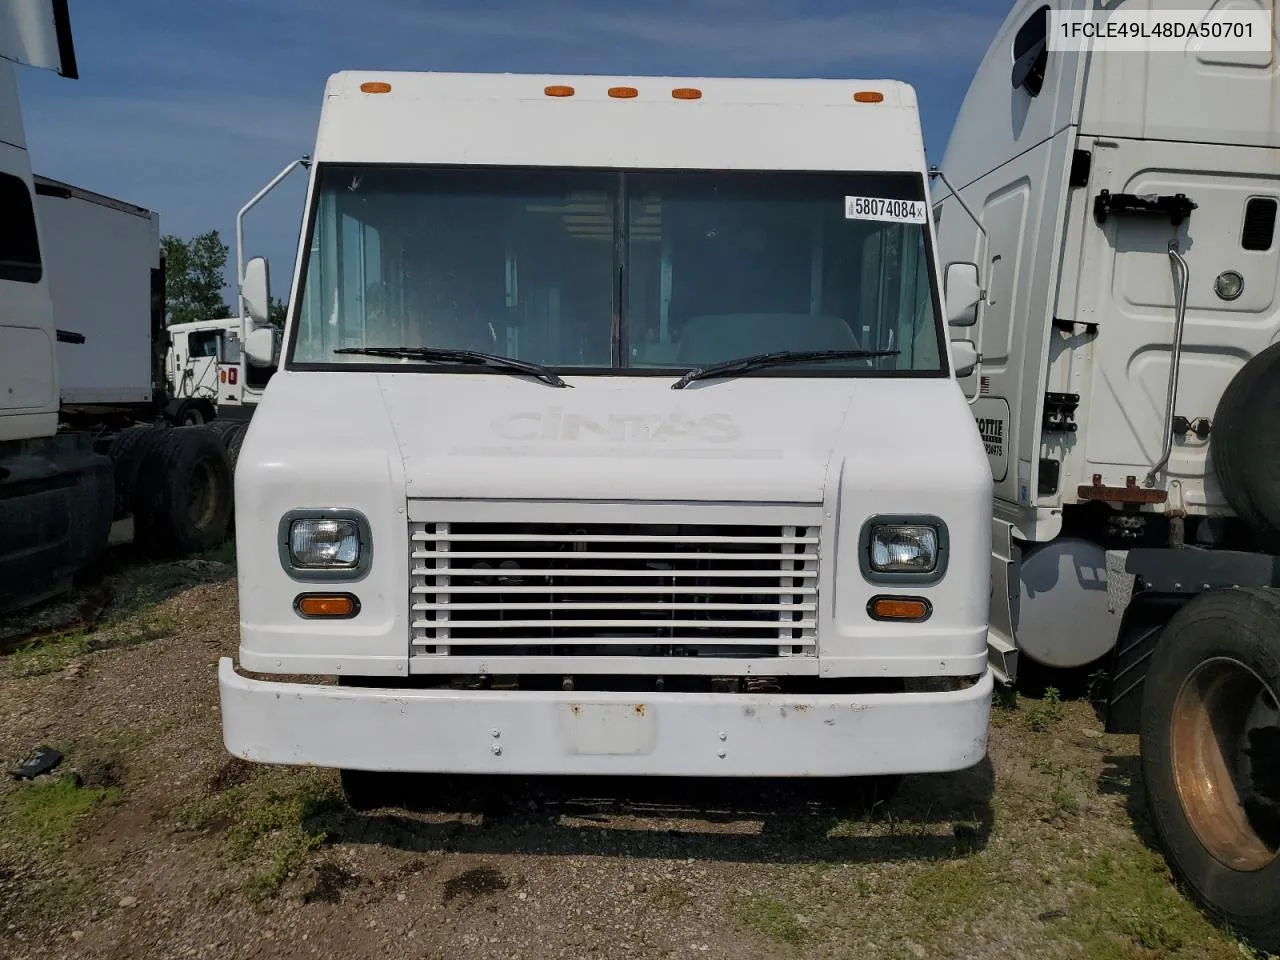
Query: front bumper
(662, 734)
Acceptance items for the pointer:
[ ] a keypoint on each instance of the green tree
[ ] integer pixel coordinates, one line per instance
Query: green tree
(277, 312)
(194, 278)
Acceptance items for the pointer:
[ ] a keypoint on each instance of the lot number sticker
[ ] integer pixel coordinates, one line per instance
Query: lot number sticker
(878, 208)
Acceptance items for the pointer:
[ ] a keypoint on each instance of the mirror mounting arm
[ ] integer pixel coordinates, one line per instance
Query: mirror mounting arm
(935, 172)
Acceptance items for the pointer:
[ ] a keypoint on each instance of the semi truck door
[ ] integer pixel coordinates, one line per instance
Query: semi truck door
(1230, 234)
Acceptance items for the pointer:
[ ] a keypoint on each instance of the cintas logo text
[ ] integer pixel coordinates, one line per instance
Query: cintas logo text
(555, 425)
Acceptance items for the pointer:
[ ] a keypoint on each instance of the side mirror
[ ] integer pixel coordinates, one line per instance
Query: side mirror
(964, 357)
(963, 292)
(256, 290)
(260, 347)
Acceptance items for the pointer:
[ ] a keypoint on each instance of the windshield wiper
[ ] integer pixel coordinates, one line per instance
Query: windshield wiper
(473, 357)
(782, 358)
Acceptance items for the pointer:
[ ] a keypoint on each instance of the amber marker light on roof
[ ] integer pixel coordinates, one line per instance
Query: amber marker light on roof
(623, 93)
(375, 86)
(868, 96)
(686, 93)
(558, 90)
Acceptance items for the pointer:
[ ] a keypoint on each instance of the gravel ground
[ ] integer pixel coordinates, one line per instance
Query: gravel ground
(150, 841)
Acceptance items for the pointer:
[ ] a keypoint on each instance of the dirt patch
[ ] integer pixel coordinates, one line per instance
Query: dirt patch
(163, 846)
(475, 883)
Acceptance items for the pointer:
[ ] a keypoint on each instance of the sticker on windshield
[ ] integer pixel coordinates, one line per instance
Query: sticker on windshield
(878, 208)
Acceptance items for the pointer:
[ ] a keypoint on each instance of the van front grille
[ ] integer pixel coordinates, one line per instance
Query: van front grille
(613, 589)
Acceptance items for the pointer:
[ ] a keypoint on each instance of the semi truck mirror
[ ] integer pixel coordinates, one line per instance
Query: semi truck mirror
(260, 347)
(964, 356)
(963, 292)
(255, 290)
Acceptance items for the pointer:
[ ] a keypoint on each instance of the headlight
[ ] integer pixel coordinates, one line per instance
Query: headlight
(903, 549)
(325, 544)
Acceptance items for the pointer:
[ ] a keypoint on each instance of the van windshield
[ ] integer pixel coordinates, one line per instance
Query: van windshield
(598, 271)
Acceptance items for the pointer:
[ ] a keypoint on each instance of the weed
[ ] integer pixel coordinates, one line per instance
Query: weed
(48, 811)
(1006, 698)
(1046, 713)
(1130, 908)
(49, 654)
(772, 919)
(269, 821)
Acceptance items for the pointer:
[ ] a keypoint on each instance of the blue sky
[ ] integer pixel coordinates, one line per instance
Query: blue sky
(188, 108)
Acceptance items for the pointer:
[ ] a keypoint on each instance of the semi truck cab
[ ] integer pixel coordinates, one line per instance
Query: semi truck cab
(615, 431)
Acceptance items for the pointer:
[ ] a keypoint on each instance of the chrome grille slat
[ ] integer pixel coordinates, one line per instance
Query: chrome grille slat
(639, 589)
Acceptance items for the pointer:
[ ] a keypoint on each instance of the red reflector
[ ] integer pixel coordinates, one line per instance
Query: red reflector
(232, 374)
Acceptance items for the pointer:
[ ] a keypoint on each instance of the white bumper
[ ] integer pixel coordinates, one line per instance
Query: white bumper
(663, 734)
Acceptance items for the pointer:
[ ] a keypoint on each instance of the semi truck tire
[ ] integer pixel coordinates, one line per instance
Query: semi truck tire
(184, 492)
(1245, 447)
(235, 440)
(223, 427)
(126, 452)
(1211, 755)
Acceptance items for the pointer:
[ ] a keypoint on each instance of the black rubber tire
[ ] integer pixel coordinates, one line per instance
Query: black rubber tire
(126, 452)
(235, 440)
(164, 520)
(1243, 625)
(223, 427)
(1245, 444)
(192, 413)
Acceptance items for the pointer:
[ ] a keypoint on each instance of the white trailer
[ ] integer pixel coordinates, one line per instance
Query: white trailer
(82, 353)
(102, 263)
(615, 432)
(1121, 282)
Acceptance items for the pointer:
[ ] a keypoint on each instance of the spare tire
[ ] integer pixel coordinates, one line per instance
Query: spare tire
(184, 492)
(126, 452)
(1245, 444)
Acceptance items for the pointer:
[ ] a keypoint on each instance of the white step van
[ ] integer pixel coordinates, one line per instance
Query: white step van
(615, 431)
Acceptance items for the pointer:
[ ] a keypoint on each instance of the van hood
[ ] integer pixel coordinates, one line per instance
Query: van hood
(464, 436)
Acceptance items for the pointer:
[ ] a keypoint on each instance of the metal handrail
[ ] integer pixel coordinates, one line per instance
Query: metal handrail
(1175, 359)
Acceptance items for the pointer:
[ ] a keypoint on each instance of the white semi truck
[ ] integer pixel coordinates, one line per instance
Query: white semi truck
(615, 432)
(82, 348)
(1107, 228)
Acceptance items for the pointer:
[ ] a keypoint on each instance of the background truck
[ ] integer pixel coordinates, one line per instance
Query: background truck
(82, 353)
(1121, 281)
(208, 372)
(615, 432)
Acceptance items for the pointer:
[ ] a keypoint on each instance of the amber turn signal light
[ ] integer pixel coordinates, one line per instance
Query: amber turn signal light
(909, 609)
(375, 86)
(331, 605)
(868, 96)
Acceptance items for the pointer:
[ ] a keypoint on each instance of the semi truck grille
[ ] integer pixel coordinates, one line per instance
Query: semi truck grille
(554, 589)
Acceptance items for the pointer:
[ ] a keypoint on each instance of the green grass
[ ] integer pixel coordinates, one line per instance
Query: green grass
(773, 919)
(48, 811)
(1045, 714)
(50, 654)
(1129, 909)
(272, 823)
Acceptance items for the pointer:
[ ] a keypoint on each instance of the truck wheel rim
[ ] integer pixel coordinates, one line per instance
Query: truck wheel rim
(1219, 717)
(201, 495)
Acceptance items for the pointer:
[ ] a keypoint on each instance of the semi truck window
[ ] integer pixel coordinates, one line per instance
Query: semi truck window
(19, 243)
(1259, 224)
(553, 266)
(1031, 52)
